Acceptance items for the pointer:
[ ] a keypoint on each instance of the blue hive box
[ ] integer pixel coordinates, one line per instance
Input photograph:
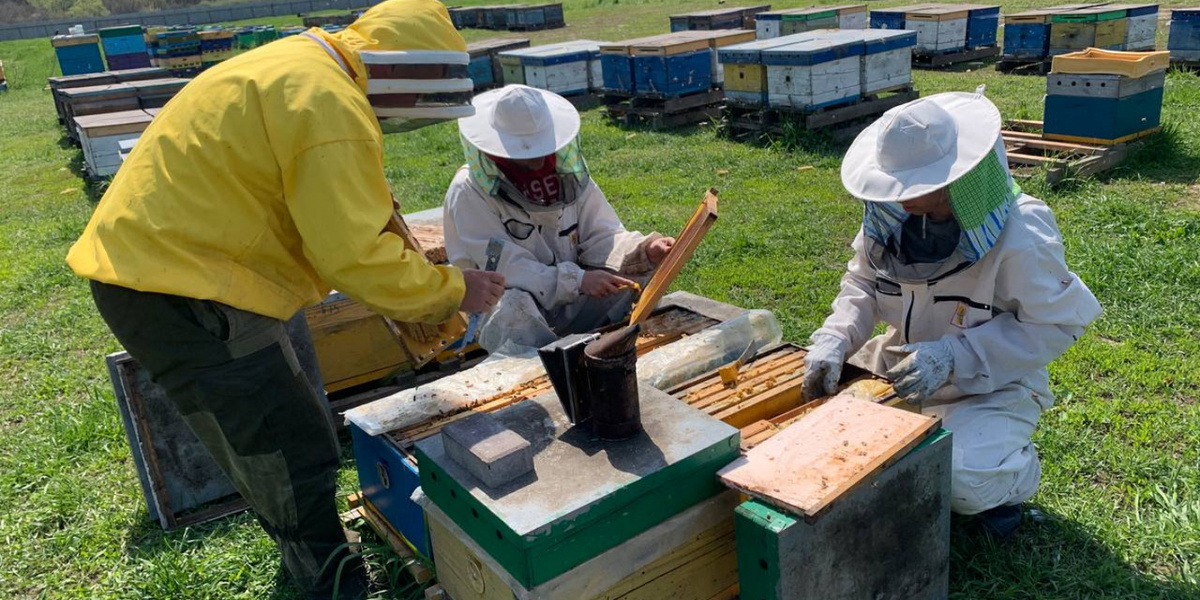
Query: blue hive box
(78, 54)
(673, 75)
(982, 24)
(1184, 40)
(1105, 109)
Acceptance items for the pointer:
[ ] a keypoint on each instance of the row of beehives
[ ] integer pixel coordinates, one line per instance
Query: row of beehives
(666, 65)
(179, 48)
(818, 68)
(100, 111)
(514, 17)
(1058, 30)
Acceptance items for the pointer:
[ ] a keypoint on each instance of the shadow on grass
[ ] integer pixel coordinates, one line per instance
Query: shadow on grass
(1161, 157)
(1051, 557)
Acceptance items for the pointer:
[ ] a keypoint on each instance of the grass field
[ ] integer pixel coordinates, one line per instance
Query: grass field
(1120, 500)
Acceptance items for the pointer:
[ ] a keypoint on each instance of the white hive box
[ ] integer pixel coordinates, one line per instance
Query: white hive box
(814, 73)
(939, 29)
(852, 16)
(565, 68)
(887, 59)
(101, 136)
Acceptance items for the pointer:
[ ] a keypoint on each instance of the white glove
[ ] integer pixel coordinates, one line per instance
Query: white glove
(926, 368)
(823, 366)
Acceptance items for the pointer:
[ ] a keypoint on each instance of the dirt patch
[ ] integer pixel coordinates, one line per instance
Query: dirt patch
(1189, 200)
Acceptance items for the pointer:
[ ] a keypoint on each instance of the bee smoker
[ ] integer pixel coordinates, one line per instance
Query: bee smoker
(595, 377)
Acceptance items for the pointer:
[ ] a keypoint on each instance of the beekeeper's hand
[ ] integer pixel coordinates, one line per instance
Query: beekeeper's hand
(823, 366)
(484, 289)
(602, 284)
(926, 368)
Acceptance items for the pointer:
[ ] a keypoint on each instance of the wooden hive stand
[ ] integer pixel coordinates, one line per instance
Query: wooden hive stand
(842, 121)
(1030, 154)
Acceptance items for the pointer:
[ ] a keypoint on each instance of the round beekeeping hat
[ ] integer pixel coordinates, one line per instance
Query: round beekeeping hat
(921, 147)
(520, 122)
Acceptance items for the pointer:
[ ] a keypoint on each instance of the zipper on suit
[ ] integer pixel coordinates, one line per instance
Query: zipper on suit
(912, 299)
(964, 300)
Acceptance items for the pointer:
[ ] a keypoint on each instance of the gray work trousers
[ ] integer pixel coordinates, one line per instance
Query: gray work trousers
(234, 377)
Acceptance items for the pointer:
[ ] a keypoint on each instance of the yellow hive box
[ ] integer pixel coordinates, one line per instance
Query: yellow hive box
(1094, 61)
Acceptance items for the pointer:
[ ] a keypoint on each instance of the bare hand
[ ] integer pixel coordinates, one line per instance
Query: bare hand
(484, 289)
(659, 249)
(601, 284)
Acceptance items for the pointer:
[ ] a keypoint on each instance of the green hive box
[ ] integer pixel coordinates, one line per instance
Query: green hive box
(888, 538)
(585, 495)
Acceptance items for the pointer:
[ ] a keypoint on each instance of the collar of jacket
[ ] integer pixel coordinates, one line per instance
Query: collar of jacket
(573, 187)
(343, 46)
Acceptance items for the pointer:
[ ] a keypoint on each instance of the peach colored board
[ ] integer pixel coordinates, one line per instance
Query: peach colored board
(685, 246)
(807, 466)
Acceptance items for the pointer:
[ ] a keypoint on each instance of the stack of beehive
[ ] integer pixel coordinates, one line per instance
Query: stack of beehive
(1104, 97)
(738, 17)
(778, 23)
(814, 69)
(943, 28)
(124, 47)
(216, 45)
(1184, 42)
(78, 53)
(566, 68)
(485, 69)
(175, 48)
(1104, 26)
(534, 17)
(668, 65)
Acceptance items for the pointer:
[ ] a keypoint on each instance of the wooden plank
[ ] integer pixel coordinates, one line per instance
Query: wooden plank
(685, 246)
(807, 466)
(371, 515)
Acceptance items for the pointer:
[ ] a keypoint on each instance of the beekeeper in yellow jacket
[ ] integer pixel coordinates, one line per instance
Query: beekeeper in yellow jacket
(254, 192)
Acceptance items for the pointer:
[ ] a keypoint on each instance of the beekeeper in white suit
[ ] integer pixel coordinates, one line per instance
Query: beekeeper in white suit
(569, 264)
(969, 275)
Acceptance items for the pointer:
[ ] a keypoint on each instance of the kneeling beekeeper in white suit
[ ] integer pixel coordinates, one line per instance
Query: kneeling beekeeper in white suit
(568, 262)
(968, 273)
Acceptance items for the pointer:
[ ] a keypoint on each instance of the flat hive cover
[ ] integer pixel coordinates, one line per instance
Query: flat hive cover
(574, 471)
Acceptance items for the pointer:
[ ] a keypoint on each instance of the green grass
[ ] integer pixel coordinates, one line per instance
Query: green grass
(1120, 451)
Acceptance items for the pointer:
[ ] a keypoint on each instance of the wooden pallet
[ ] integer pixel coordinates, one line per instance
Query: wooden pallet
(1030, 154)
(361, 508)
(842, 121)
(946, 59)
(1023, 66)
(664, 113)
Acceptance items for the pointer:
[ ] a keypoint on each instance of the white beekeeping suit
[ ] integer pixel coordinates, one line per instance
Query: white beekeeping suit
(970, 334)
(546, 248)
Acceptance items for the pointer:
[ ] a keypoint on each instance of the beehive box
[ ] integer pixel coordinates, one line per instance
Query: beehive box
(983, 22)
(565, 68)
(894, 17)
(603, 493)
(852, 16)
(484, 68)
(124, 47)
(464, 17)
(1141, 29)
(1085, 104)
(814, 73)
(887, 59)
(768, 25)
(494, 17)
(745, 73)
(939, 30)
(808, 19)
(1027, 34)
(78, 54)
(100, 136)
(1184, 40)
(1092, 27)
(673, 65)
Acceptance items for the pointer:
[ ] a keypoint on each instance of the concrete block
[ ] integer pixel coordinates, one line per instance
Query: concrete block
(487, 449)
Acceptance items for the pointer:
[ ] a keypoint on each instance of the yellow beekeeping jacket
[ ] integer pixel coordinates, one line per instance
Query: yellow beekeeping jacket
(261, 184)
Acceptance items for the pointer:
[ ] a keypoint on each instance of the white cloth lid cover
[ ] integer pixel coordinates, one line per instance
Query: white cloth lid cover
(921, 147)
(520, 122)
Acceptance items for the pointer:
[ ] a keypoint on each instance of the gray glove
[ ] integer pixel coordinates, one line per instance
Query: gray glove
(926, 368)
(823, 366)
